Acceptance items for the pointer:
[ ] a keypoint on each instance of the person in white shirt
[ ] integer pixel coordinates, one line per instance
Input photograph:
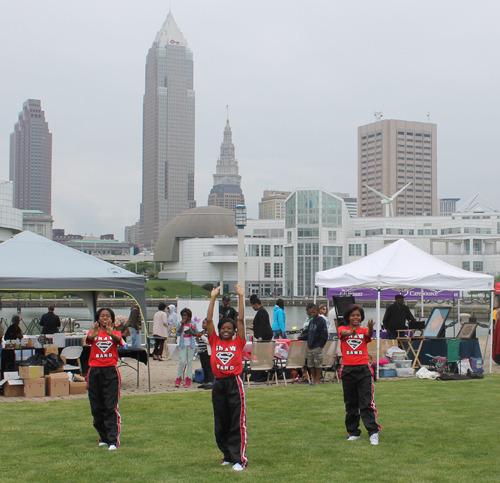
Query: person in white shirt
(160, 331)
(332, 328)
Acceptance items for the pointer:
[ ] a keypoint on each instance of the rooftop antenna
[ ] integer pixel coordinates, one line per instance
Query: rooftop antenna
(429, 116)
(378, 115)
(389, 209)
(227, 109)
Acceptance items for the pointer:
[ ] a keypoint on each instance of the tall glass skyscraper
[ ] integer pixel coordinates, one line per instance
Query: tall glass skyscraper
(168, 133)
(31, 159)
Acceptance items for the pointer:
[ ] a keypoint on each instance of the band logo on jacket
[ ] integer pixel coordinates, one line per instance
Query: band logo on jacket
(355, 343)
(103, 344)
(224, 356)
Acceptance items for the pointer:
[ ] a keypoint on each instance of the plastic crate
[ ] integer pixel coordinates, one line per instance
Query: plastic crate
(405, 372)
(198, 375)
(387, 372)
(403, 364)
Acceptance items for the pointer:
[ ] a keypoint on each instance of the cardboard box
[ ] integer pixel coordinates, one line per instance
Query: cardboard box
(51, 350)
(57, 384)
(13, 388)
(384, 345)
(77, 387)
(30, 372)
(34, 387)
(11, 375)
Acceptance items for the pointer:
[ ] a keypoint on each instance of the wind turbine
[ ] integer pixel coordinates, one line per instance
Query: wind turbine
(389, 211)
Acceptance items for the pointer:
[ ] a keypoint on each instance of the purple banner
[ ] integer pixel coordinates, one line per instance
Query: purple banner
(389, 294)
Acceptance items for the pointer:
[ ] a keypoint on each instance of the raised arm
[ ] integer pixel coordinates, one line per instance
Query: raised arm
(370, 328)
(241, 311)
(210, 313)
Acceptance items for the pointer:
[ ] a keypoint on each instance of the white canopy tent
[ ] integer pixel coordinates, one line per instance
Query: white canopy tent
(30, 263)
(402, 265)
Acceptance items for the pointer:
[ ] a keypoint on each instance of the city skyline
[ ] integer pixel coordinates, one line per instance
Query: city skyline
(297, 92)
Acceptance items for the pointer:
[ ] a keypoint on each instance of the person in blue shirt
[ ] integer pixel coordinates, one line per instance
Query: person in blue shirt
(279, 320)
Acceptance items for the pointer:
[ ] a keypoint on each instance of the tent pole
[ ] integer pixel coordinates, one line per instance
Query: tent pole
(490, 334)
(422, 302)
(378, 332)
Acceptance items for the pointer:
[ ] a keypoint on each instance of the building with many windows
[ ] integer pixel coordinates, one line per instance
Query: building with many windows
(168, 133)
(272, 204)
(391, 154)
(11, 219)
(31, 159)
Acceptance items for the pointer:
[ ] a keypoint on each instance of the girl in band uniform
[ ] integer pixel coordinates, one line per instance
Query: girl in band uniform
(228, 392)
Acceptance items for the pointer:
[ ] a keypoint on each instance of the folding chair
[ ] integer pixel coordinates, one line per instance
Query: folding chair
(329, 353)
(296, 357)
(452, 354)
(72, 353)
(262, 359)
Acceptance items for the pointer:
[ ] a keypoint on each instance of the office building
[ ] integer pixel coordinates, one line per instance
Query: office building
(11, 219)
(226, 191)
(168, 132)
(272, 205)
(447, 206)
(391, 154)
(31, 159)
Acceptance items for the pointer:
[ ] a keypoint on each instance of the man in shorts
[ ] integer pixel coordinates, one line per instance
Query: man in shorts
(316, 340)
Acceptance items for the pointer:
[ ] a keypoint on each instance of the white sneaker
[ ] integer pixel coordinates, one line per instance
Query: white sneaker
(238, 467)
(352, 438)
(102, 444)
(374, 438)
(112, 447)
(225, 463)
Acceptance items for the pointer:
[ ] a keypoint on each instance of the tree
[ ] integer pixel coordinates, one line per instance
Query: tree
(208, 286)
(160, 289)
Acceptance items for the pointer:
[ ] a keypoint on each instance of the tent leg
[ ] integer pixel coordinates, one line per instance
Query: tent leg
(490, 330)
(149, 373)
(378, 332)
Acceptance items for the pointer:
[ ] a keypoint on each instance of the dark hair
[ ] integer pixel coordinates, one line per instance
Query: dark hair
(15, 318)
(255, 300)
(314, 307)
(162, 306)
(98, 313)
(51, 308)
(350, 309)
(309, 305)
(280, 303)
(223, 321)
(399, 296)
(187, 312)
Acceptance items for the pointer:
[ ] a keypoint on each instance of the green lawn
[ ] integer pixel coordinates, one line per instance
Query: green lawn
(432, 432)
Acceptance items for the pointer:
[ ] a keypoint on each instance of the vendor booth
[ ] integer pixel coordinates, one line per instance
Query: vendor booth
(401, 266)
(32, 263)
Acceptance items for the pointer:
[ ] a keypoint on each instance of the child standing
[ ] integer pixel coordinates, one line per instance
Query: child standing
(103, 378)
(357, 375)
(204, 352)
(186, 332)
(316, 340)
(228, 392)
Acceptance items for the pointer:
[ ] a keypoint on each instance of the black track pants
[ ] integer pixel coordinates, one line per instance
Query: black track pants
(208, 375)
(359, 399)
(230, 421)
(103, 384)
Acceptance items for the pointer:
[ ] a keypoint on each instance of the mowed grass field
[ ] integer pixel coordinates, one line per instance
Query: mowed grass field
(431, 432)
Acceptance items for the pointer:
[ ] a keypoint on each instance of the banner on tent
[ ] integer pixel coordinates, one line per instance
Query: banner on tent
(389, 294)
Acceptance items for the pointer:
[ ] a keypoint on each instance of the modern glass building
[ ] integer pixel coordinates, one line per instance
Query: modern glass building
(312, 217)
(31, 159)
(168, 133)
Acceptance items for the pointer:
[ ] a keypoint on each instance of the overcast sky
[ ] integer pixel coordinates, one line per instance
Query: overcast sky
(299, 78)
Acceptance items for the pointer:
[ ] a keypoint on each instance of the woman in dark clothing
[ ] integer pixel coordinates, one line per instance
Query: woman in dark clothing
(14, 331)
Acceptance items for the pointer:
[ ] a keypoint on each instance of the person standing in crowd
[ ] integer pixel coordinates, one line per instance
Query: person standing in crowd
(395, 317)
(186, 331)
(261, 326)
(103, 378)
(50, 322)
(357, 375)
(228, 392)
(14, 331)
(332, 323)
(204, 351)
(160, 331)
(225, 309)
(316, 340)
(172, 320)
(121, 326)
(305, 326)
(134, 325)
(279, 320)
